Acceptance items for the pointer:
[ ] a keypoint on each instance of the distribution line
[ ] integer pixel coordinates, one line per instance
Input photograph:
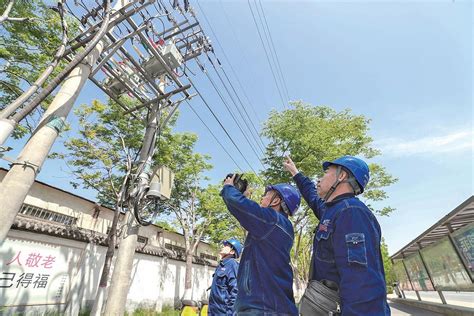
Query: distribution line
(231, 113)
(274, 50)
(235, 74)
(244, 57)
(235, 103)
(240, 101)
(220, 123)
(266, 54)
(214, 136)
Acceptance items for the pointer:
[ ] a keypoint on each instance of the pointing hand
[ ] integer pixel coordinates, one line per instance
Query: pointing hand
(290, 166)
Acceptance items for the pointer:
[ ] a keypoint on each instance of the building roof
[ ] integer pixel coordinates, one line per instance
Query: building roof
(64, 191)
(86, 235)
(94, 202)
(456, 219)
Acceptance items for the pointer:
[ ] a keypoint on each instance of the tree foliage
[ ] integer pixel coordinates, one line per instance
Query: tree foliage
(107, 142)
(312, 135)
(110, 142)
(388, 266)
(27, 47)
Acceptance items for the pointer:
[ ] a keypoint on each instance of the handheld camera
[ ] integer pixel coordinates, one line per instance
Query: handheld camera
(239, 183)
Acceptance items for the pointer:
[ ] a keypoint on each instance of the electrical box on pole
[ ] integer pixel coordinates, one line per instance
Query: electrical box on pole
(127, 74)
(170, 54)
(161, 183)
(154, 67)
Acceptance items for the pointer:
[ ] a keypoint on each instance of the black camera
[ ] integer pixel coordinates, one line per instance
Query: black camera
(239, 183)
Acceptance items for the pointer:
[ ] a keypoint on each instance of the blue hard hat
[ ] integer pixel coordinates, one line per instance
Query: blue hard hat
(289, 194)
(235, 244)
(356, 166)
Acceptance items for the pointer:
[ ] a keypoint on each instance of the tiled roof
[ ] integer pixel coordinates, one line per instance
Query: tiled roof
(73, 232)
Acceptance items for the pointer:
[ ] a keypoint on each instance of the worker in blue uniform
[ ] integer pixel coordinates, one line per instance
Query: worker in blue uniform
(224, 281)
(265, 278)
(346, 247)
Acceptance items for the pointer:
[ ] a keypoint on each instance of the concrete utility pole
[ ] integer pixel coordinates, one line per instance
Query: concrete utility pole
(5, 131)
(20, 178)
(119, 286)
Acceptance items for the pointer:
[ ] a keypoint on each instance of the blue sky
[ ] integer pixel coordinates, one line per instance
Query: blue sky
(405, 65)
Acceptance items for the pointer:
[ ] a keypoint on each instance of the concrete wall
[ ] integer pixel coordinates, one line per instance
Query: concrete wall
(56, 200)
(74, 275)
(41, 270)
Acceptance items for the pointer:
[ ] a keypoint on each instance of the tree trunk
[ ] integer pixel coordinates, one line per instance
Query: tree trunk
(112, 240)
(117, 297)
(188, 277)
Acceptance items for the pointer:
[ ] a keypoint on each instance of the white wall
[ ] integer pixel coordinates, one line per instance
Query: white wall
(56, 200)
(74, 276)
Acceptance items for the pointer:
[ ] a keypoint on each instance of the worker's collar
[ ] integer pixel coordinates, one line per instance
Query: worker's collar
(225, 260)
(340, 198)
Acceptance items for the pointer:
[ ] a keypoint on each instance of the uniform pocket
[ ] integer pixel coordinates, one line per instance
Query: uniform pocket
(356, 251)
(323, 232)
(220, 278)
(324, 250)
(246, 278)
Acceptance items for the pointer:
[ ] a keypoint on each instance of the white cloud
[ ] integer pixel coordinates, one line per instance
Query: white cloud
(454, 142)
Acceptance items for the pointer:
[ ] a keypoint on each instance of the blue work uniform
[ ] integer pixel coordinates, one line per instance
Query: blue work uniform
(346, 250)
(224, 288)
(265, 278)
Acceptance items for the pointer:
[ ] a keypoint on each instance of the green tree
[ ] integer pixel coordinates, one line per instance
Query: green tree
(224, 225)
(388, 266)
(26, 48)
(101, 157)
(184, 205)
(104, 153)
(311, 135)
(107, 145)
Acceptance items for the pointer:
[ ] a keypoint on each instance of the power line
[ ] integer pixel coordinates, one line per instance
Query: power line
(243, 107)
(230, 64)
(272, 53)
(231, 113)
(266, 54)
(266, 35)
(213, 135)
(221, 125)
(235, 103)
(274, 50)
(244, 59)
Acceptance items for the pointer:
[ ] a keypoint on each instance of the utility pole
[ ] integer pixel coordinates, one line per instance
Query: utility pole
(161, 53)
(162, 61)
(117, 296)
(20, 178)
(118, 291)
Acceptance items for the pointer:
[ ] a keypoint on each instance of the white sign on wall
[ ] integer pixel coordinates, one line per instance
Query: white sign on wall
(34, 272)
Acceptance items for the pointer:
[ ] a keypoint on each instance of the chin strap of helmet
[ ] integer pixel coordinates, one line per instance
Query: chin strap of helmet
(353, 183)
(351, 180)
(285, 208)
(283, 205)
(334, 185)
